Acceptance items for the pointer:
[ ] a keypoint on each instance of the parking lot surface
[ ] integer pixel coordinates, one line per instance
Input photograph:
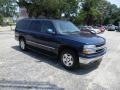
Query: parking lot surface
(34, 71)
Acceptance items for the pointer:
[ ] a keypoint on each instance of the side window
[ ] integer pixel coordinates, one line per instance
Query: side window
(35, 26)
(19, 25)
(23, 24)
(46, 25)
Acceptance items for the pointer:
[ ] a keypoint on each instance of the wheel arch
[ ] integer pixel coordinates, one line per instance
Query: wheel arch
(64, 47)
(21, 37)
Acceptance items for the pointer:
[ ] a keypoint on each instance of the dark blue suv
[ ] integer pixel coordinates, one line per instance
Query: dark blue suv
(62, 38)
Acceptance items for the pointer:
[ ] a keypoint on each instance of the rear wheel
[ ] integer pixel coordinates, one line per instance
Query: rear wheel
(69, 59)
(22, 44)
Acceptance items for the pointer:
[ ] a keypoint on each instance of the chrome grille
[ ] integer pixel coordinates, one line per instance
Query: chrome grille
(101, 47)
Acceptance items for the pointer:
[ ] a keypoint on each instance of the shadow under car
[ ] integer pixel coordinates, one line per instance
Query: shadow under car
(53, 60)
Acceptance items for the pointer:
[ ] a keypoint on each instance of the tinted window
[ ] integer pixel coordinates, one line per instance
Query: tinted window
(23, 24)
(46, 25)
(35, 26)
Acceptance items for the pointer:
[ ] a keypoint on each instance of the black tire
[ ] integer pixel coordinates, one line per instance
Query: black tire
(74, 59)
(22, 44)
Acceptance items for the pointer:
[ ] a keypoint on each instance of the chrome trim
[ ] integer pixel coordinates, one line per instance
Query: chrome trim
(87, 61)
(40, 44)
(101, 47)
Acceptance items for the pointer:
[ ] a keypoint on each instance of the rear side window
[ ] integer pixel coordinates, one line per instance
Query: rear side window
(23, 24)
(46, 25)
(35, 26)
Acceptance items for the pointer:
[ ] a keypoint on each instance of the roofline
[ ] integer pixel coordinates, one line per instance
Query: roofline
(44, 19)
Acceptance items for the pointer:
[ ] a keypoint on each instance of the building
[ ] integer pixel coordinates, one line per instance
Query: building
(23, 13)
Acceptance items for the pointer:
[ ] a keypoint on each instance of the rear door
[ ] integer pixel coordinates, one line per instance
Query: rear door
(33, 38)
(22, 28)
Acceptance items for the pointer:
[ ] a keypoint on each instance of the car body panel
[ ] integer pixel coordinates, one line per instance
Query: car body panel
(52, 42)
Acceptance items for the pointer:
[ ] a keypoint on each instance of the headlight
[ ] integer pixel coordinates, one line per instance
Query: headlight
(89, 49)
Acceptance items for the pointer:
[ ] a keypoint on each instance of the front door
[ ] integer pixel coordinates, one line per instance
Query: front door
(48, 40)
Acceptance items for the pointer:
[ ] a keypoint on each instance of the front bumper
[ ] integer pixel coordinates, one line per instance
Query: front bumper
(88, 61)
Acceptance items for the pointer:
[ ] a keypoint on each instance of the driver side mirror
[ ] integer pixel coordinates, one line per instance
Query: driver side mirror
(50, 31)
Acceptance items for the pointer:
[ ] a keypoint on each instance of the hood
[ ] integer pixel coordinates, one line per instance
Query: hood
(89, 39)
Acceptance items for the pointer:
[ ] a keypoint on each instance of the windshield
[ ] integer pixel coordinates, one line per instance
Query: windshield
(66, 27)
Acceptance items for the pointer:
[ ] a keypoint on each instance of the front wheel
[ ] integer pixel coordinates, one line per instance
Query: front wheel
(22, 44)
(69, 59)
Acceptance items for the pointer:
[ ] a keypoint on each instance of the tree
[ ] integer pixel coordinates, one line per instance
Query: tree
(1, 19)
(7, 9)
(94, 12)
(113, 15)
(90, 12)
(50, 8)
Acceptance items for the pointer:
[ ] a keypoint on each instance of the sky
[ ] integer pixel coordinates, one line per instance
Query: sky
(117, 2)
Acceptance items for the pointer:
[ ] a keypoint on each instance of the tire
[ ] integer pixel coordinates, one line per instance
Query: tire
(22, 44)
(69, 59)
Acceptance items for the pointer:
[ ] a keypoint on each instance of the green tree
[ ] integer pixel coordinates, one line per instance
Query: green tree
(50, 8)
(113, 15)
(90, 12)
(94, 12)
(7, 9)
(1, 19)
